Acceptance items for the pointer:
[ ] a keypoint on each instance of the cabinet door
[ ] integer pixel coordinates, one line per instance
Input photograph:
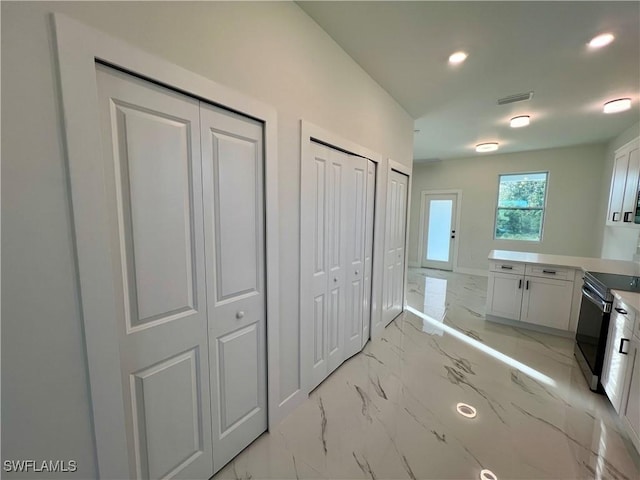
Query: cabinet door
(547, 302)
(616, 359)
(629, 201)
(631, 407)
(504, 295)
(618, 182)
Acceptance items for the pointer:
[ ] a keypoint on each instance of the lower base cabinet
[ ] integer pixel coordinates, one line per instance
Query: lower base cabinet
(631, 407)
(531, 293)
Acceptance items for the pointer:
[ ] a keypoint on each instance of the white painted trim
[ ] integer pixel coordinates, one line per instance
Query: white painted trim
(78, 47)
(472, 271)
(423, 194)
(310, 131)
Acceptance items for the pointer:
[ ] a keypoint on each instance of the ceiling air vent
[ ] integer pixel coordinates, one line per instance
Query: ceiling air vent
(518, 97)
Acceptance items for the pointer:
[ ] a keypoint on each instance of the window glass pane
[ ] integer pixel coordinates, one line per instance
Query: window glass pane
(522, 191)
(520, 211)
(514, 224)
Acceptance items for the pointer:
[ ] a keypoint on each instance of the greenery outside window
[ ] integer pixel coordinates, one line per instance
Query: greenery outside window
(521, 203)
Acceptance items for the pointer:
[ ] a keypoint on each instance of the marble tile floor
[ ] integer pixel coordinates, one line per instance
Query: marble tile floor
(389, 412)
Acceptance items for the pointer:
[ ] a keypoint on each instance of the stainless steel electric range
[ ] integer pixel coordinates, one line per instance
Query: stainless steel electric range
(593, 322)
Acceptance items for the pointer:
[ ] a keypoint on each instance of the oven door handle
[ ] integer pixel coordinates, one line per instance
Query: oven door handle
(604, 306)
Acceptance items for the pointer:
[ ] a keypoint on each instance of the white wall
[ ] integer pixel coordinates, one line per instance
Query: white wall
(271, 51)
(572, 199)
(619, 243)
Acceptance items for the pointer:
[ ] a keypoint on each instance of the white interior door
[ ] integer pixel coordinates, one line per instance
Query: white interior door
(368, 250)
(395, 236)
(356, 194)
(335, 258)
(151, 142)
(323, 262)
(439, 230)
(233, 186)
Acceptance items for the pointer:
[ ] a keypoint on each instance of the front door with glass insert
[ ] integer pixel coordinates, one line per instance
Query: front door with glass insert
(439, 232)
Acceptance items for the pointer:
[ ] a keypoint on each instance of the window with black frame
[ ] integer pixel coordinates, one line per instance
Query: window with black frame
(520, 207)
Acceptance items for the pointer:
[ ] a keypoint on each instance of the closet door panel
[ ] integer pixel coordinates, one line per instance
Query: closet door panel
(152, 166)
(232, 148)
(338, 231)
(355, 241)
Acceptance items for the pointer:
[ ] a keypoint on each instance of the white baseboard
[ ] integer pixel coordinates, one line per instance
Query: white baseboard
(472, 271)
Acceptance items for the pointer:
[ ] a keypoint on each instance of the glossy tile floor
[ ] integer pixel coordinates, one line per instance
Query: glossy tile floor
(390, 411)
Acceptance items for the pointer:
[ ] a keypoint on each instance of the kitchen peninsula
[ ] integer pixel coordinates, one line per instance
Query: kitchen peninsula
(543, 291)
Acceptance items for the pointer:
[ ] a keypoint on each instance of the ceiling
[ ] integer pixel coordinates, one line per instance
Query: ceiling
(513, 47)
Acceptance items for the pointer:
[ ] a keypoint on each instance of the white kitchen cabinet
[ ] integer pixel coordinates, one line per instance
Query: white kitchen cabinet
(547, 302)
(631, 403)
(618, 355)
(625, 187)
(504, 295)
(534, 294)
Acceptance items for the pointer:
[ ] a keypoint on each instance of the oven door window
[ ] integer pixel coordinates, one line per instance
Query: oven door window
(590, 332)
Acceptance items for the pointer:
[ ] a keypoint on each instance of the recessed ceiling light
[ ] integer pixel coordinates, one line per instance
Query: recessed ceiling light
(487, 147)
(466, 410)
(521, 121)
(601, 40)
(458, 57)
(618, 105)
(487, 475)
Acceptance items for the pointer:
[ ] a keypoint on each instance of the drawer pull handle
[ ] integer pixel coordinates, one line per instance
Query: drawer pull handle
(519, 284)
(622, 340)
(627, 216)
(613, 217)
(550, 272)
(527, 285)
(506, 267)
(621, 310)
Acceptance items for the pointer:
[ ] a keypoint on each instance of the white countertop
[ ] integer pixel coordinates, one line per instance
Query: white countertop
(630, 299)
(585, 263)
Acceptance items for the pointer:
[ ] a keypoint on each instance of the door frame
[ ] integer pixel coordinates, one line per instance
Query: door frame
(421, 247)
(310, 132)
(78, 47)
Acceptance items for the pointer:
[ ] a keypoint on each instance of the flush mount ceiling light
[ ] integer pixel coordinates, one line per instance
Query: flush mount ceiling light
(618, 105)
(487, 475)
(458, 57)
(487, 147)
(521, 121)
(466, 410)
(601, 40)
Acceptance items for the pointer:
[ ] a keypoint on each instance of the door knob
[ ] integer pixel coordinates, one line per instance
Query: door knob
(357, 272)
(239, 314)
(335, 279)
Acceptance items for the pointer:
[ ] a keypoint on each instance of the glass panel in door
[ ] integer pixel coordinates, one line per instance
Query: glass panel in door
(439, 231)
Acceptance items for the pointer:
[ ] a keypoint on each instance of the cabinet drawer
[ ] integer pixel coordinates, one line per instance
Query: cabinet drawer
(506, 267)
(546, 271)
(624, 311)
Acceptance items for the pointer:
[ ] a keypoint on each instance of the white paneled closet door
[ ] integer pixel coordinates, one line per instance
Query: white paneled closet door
(336, 242)
(395, 237)
(323, 266)
(184, 185)
(357, 234)
(368, 250)
(232, 152)
(151, 141)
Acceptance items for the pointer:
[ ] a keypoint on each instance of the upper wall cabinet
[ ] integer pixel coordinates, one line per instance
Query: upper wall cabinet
(624, 199)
